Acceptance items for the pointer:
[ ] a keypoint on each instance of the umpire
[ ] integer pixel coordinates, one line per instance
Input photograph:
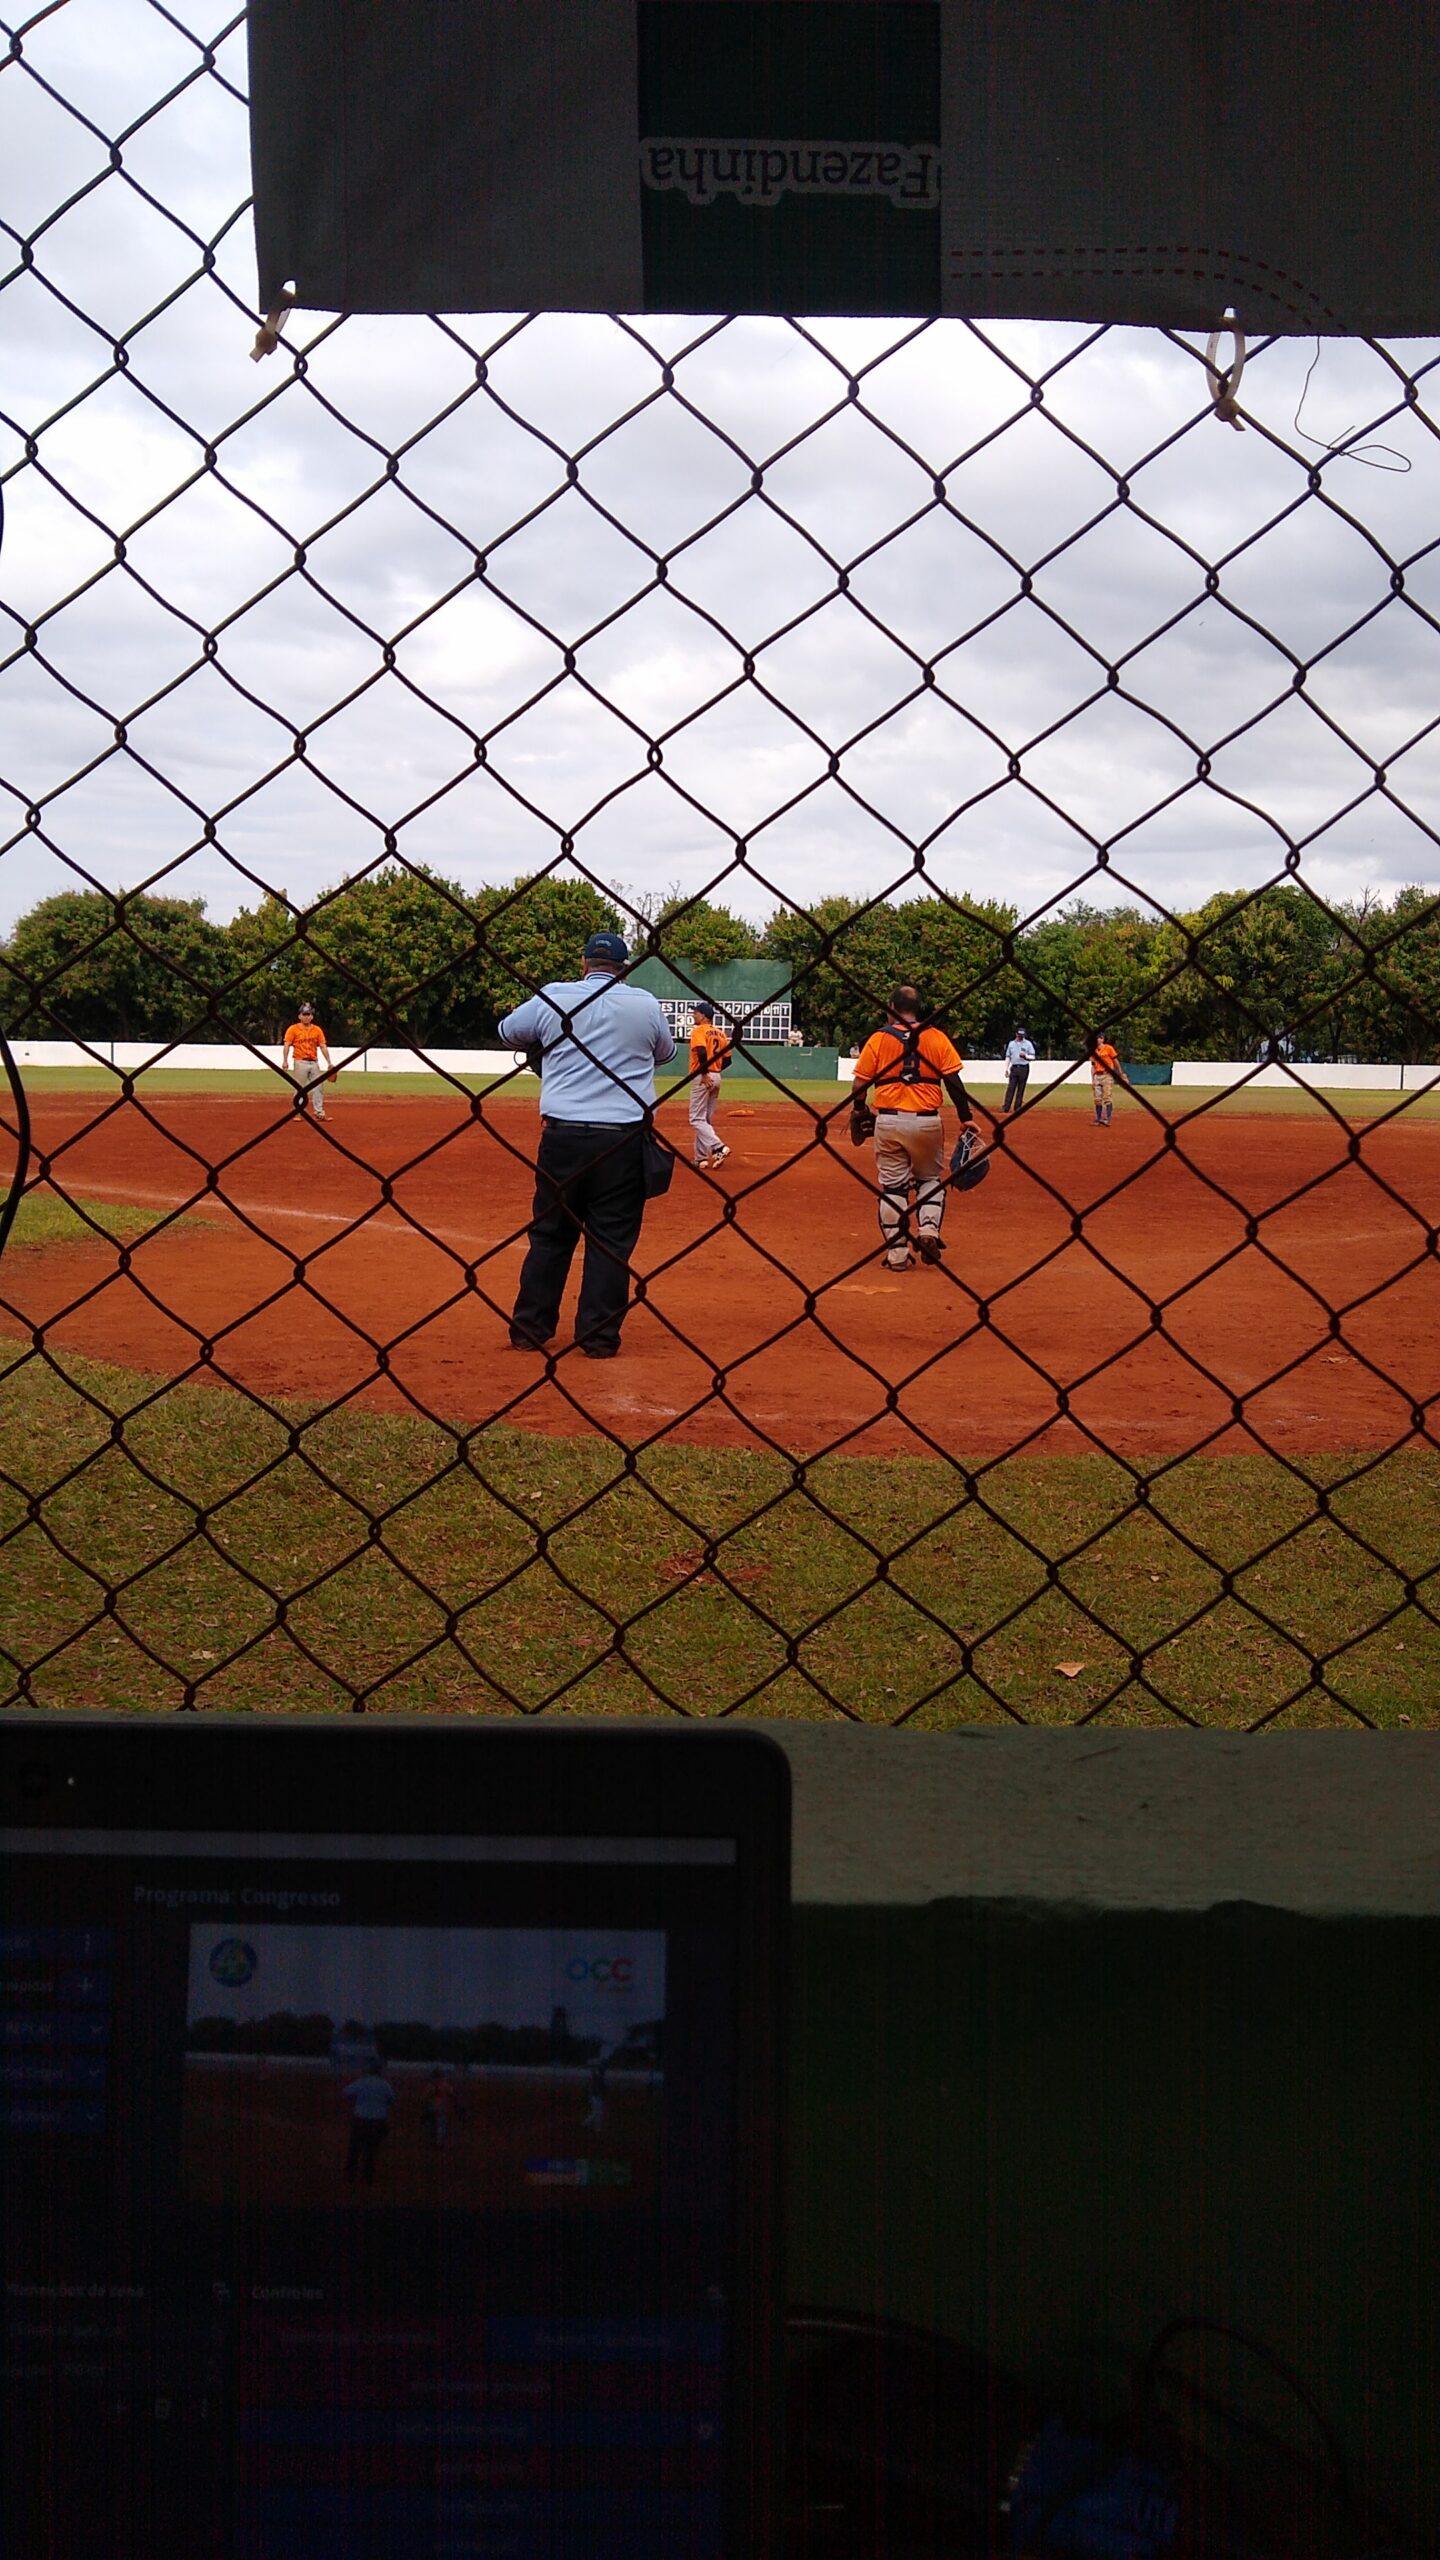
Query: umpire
(600, 1043)
(1019, 1059)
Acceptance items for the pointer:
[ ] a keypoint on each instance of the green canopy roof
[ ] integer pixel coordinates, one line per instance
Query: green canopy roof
(738, 985)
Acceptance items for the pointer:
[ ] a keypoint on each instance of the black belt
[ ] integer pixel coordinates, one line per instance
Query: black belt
(615, 1127)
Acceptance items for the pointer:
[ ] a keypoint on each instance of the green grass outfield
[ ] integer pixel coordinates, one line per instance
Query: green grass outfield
(41, 1218)
(1074, 1095)
(683, 1581)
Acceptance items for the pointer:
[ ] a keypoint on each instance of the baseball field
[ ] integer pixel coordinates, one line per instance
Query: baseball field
(272, 2136)
(1073, 1471)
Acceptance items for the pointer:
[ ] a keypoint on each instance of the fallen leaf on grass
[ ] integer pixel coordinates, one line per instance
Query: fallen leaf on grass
(1071, 1670)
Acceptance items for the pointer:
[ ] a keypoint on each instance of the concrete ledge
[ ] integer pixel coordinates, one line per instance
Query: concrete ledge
(1329, 1824)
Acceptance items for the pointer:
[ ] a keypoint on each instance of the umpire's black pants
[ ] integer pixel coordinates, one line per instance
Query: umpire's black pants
(366, 2135)
(590, 1181)
(1015, 1088)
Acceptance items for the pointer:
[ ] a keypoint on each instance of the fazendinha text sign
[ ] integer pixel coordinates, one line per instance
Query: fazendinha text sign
(1152, 161)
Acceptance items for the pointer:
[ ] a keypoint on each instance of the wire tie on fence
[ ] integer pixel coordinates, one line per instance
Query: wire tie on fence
(1224, 387)
(269, 337)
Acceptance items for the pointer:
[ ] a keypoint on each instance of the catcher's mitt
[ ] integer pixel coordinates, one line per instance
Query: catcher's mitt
(862, 1123)
(970, 1163)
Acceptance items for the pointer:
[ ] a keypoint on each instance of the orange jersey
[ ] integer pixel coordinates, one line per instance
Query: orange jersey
(883, 1055)
(709, 1048)
(1104, 1061)
(305, 1038)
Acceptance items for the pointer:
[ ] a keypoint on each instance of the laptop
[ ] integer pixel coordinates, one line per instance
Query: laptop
(389, 2140)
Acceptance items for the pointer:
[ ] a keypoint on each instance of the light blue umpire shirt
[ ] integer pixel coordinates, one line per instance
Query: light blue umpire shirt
(1020, 1053)
(624, 1032)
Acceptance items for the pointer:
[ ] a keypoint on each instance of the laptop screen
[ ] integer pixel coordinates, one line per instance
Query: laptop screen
(367, 2197)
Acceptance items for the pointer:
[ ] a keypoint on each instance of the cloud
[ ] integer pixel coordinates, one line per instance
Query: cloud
(481, 587)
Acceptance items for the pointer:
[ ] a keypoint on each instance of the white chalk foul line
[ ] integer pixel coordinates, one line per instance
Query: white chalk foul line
(378, 1223)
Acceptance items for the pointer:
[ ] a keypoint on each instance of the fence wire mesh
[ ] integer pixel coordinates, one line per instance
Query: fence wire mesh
(765, 602)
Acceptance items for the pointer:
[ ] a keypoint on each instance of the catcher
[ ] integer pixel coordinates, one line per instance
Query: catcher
(907, 1063)
(302, 1049)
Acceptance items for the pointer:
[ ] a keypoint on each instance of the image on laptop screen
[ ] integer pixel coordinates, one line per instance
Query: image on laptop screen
(366, 2197)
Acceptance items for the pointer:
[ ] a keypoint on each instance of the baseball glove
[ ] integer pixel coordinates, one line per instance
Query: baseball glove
(970, 1163)
(862, 1123)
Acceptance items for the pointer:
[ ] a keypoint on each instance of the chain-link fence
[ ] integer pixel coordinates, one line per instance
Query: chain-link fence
(1017, 663)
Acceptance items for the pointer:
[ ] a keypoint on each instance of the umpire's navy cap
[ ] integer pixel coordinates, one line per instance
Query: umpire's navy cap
(609, 948)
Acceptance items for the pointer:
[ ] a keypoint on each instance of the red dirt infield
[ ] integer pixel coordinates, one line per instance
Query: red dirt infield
(274, 2137)
(769, 1316)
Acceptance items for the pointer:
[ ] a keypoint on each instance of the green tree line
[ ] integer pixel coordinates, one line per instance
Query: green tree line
(403, 955)
(306, 2036)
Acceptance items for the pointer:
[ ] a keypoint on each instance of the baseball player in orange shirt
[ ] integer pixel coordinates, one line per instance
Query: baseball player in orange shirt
(907, 1063)
(709, 1057)
(303, 1047)
(1104, 1068)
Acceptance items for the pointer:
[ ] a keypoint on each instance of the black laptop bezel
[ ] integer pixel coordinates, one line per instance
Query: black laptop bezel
(419, 1777)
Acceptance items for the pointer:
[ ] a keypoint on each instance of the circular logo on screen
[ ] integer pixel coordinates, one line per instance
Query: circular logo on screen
(232, 1962)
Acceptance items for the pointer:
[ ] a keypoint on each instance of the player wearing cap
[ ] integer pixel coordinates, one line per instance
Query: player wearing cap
(600, 1043)
(907, 1063)
(1019, 1059)
(370, 2097)
(1104, 1068)
(302, 1049)
(710, 1054)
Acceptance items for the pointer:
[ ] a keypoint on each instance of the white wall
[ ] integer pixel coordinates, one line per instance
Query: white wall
(131, 1057)
(1321, 1079)
(995, 1071)
(1216, 1072)
(450, 1062)
(60, 1053)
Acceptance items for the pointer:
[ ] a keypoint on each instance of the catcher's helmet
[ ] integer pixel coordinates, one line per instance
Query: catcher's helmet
(970, 1163)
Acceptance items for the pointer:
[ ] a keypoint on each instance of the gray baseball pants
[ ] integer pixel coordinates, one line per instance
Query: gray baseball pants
(909, 1150)
(310, 1077)
(704, 1094)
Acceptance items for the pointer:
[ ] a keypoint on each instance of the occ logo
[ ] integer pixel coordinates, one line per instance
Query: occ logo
(232, 1962)
(610, 1972)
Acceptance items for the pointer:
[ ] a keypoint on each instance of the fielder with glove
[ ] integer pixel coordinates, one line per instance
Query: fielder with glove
(301, 1051)
(710, 1055)
(906, 1064)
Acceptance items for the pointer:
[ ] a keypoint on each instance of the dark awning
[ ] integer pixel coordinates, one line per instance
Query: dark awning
(1150, 161)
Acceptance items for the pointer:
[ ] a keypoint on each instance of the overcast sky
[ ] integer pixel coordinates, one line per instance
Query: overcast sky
(115, 452)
